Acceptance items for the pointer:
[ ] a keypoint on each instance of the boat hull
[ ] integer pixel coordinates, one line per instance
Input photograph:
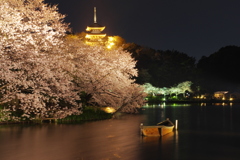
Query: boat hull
(160, 130)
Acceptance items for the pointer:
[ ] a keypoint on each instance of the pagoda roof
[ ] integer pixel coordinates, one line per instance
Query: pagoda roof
(96, 34)
(101, 35)
(96, 25)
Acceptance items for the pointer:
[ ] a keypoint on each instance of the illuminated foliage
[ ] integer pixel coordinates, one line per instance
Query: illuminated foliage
(114, 42)
(31, 76)
(42, 73)
(106, 75)
(181, 88)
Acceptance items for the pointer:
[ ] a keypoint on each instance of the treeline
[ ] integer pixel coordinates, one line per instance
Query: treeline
(161, 68)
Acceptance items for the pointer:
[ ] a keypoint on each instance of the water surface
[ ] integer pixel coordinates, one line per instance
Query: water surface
(205, 131)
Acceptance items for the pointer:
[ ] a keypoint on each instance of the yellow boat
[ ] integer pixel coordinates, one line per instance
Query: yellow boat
(161, 129)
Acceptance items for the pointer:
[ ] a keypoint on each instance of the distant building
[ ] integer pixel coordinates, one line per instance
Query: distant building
(220, 95)
(94, 35)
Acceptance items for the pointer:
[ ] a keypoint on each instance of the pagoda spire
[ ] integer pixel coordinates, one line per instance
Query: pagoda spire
(95, 15)
(94, 35)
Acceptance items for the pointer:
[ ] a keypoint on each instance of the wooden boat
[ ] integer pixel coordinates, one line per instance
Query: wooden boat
(161, 129)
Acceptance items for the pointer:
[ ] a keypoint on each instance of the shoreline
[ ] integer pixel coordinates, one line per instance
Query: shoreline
(194, 101)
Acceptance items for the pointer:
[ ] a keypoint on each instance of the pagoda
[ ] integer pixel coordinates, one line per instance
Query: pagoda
(94, 35)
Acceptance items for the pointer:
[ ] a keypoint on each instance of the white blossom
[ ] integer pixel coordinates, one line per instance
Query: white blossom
(31, 75)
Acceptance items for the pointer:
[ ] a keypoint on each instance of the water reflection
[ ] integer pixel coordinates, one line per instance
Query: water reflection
(164, 104)
(205, 132)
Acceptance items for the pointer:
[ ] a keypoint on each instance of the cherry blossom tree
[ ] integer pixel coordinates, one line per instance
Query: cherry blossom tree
(31, 76)
(106, 75)
(42, 72)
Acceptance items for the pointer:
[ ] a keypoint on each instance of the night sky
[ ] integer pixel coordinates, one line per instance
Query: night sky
(195, 27)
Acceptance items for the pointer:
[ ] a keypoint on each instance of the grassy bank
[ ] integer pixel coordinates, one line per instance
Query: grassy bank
(89, 114)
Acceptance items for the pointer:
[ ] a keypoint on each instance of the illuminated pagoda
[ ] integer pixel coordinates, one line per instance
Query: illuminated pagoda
(94, 35)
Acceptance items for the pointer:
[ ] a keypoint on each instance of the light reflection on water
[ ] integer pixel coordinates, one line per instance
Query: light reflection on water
(206, 131)
(162, 105)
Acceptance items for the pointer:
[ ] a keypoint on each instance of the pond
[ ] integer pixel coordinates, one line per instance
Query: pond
(205, 131)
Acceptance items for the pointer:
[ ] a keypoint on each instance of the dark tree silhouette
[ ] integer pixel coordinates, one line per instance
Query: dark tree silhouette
(220, 70)
(162, 68)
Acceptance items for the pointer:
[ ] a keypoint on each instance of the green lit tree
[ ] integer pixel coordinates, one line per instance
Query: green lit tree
(181, 88)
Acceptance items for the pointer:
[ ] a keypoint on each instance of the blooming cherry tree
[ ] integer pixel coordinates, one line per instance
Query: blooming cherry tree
(106, 75)
(42, 72)
(31, 77)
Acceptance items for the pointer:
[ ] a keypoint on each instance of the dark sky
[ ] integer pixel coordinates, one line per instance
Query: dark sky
(195, 27)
